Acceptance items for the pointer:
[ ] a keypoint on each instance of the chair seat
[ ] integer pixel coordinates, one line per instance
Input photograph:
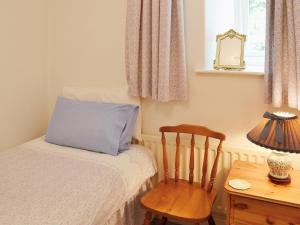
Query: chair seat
(180, 200)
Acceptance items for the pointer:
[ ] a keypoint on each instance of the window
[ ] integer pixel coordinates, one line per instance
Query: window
(246, 17)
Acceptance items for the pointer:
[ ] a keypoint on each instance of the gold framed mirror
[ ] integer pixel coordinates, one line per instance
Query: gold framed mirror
(230, 51)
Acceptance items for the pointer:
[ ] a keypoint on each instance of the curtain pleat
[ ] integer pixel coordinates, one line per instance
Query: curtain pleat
(155, 49)
(282, 77)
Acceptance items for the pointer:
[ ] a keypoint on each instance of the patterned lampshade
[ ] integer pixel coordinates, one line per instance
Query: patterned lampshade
(278, 131)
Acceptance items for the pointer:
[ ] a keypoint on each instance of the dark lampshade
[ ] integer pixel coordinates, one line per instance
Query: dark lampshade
(277, 131)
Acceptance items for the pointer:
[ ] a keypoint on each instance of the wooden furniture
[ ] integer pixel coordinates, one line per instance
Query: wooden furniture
(156, 221)
(179, 199)
(265, 202)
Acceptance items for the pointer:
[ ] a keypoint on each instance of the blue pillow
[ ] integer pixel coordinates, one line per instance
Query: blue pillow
(128, 131)
(94, 126)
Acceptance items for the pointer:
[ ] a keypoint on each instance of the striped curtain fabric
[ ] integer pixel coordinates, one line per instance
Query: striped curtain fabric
(282, 69)
(155, 49)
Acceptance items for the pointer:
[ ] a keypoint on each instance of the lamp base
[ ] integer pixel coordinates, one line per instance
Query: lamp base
(279, 181)
(280, 165)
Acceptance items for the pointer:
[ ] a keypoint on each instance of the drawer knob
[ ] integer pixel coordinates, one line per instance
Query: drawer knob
(270, 221)
(240, 206)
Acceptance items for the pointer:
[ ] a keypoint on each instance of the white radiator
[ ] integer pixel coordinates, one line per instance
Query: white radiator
(228, 156)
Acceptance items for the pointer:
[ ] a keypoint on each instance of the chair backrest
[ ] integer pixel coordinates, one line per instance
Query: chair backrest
(193, 130)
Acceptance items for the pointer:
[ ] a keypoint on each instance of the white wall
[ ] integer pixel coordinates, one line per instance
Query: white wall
(86, 44)
(23, 42)
(86, 48)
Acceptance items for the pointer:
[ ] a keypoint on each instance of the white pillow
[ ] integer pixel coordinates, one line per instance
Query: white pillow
(113, 95)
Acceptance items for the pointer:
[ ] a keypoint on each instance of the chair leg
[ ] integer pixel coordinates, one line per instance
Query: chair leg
(163, 221)
(148, 218)
(211, 221)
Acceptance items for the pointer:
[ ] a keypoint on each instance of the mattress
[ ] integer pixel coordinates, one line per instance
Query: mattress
(46, 184)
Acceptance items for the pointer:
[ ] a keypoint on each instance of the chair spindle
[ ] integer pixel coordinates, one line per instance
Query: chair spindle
(215, 168)
(204, 165)
(172, 199)
(191, 176)
(165, 157)
(177, 159)
(193, 130)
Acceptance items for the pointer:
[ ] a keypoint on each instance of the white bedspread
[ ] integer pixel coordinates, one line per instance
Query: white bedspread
(45, 184)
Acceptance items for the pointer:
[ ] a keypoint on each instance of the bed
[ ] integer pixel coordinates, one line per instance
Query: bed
(46, 184)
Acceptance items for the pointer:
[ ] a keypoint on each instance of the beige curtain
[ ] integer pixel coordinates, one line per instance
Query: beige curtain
(283, 53)
(155, 49)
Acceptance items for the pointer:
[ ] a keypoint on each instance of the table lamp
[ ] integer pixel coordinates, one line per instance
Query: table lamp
(279, 131)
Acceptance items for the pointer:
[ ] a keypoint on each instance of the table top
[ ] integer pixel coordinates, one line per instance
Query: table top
(261, 187)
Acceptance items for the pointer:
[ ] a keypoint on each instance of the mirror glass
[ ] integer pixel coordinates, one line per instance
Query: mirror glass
(230, 51)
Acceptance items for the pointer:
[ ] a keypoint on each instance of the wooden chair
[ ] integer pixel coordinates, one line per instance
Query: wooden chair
(182, 200)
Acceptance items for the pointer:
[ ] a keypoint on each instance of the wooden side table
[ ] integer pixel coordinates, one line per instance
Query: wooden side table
(265, 202)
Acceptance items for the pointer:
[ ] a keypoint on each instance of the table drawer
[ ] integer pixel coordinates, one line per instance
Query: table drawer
(245, 211)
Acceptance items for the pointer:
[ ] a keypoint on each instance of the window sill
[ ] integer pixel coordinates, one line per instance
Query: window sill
(229, 72)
